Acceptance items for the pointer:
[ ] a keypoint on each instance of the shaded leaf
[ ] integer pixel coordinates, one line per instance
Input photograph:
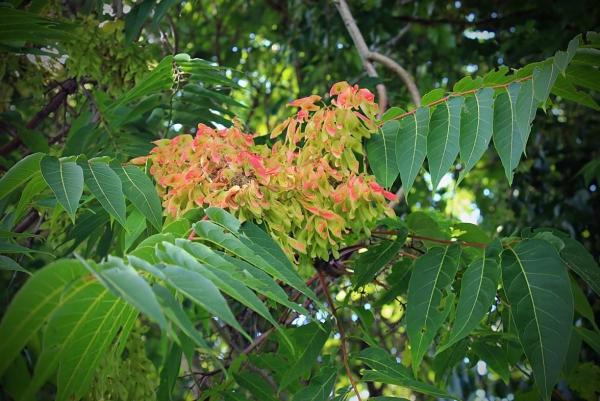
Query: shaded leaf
(316, 337)
(477, 293)
(381, 152)
(581, 262)
(20, 173)
(33, 304)
(7, 263)
(443, 138)
(507, 135)
(203, 292)
(140, 191)
(538, 289)
(411, 146)
(432, 275)
(475, 128)
(387, 370)
(370, 263)
(65, 179)
(106, 186)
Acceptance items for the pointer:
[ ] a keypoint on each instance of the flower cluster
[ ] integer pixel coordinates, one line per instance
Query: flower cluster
(307, 187)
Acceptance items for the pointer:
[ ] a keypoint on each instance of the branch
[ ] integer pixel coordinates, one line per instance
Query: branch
(342, 334)
(66, 88)
(438, 240)
(394, 41)
(363, 50)
(401, 72)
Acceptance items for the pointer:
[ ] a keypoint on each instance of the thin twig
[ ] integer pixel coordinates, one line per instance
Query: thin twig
(342, 334)
(362, 48)
(401, 72)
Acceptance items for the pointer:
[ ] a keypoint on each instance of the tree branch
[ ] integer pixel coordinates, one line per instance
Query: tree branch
(342, 334)
(401, 72)
(66, 88)
(363, 50)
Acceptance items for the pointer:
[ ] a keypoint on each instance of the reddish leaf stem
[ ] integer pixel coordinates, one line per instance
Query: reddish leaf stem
(456, 94)
(438, 240)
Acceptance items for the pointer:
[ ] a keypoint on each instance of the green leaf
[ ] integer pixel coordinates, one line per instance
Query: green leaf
(494, 355)
(477, 292)
(134, 226)
(381, 152)
(82, 355)
(370, 263)
(124, 281)
(475, 128)
(392, 113)
(65, 179)
(106, 186)
(33, 188)
(258, 249)
(387, 370)
(9, 247)
(577, 257)
(251, 276)
(319, 388)
(581, 303)
(140, 191)
(567, 90)
(255, 384)
(467, 83)
(7, 263)
(562, 59)
(411, 146)
(543, 81)
(585, 76)
(304, 361)
(203, 292)
(223, 218)
(229, 285)
(538, 289)
(433, 96)
(591, 338)
(33, 304)
(175, 313)
(443, 138)
(445, 360)
(135, 18)
(77, 336)
(526, 109)
(432, 275)
(508, 139)
(20, 173)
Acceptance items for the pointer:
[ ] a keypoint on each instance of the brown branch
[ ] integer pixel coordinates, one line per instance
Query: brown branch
(27, 221)
(438, 240)
(342, 334)
(363, 50)
(401, 72)
(67, 88)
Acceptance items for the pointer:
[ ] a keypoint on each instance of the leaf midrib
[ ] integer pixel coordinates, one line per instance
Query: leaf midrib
(158, 218)
(437, 276)
(535, 316)
(91, 169)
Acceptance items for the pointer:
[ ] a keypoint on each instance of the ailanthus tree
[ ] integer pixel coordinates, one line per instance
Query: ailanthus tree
(174, 230)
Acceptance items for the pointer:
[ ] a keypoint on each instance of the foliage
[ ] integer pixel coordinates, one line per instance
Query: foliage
(221, 264)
